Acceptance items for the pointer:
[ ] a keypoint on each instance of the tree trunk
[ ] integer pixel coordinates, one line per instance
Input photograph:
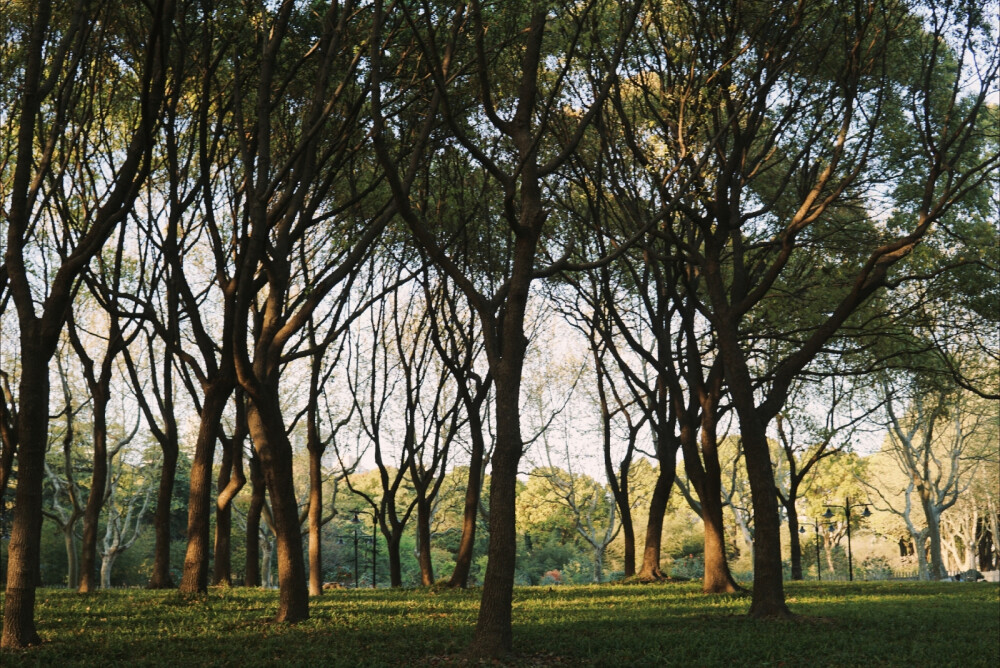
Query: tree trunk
(650, 569)
(494, 637)
(222, 564)
(275, 451)
(107, 563)
(72, 567)
(195, 577)
(628, 530)
(473, 489)
(424, 542)
(257, 494)
(24, 549)
(395, 566)
(768, 578)
(936, 570)
(793, 540)
(95, 499)
(160, 577)
(706, 474)
(316, 522)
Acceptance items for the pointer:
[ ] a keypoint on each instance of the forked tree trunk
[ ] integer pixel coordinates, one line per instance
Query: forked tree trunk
(395, 564)
(936, 570)
(231, 481)
(706, 475)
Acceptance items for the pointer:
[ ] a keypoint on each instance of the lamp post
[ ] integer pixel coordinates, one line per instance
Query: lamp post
(847, 514)
(357, 522)
(802, 529)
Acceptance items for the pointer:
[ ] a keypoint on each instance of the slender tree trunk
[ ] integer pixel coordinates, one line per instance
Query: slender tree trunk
(257, 494)
(793, 540)
(160, 578)
(650, 569)
(424, 542)
(275, 451)
(107, 563)
(222, 564)
(72, 567)
(316, 522)
(195, 577)
(95, 499)
(463, 560)
(628, 530)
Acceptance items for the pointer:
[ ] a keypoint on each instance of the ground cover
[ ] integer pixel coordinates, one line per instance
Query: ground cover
(838, 624)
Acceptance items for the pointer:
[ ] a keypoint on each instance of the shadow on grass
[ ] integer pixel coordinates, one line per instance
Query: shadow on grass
(838, 624)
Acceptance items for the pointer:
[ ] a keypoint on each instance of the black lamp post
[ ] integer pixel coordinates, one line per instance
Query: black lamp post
(847, 513)
(357, 522)
(802, 529)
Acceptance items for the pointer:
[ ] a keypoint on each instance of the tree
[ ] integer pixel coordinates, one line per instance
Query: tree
(937, 445)
(528, 128)
(105, 285)
(125, 517)
(62, 48)
(781, 181)
(305, 188)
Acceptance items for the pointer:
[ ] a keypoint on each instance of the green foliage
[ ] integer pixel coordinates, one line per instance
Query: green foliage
(841, 624)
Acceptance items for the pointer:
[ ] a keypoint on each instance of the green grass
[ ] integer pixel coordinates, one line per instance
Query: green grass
(838, 624)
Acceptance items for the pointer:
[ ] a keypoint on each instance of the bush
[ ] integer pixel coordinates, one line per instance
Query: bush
(691, 567)
(875, 568)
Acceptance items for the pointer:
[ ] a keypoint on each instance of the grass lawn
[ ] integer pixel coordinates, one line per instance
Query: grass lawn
(840, 624)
